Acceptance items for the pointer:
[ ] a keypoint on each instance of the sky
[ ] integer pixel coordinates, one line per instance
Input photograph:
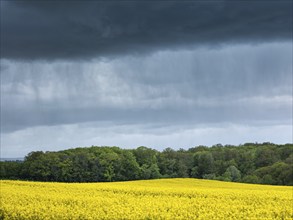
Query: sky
(144, 73)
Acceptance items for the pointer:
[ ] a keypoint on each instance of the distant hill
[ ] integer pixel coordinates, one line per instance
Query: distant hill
(12, 159)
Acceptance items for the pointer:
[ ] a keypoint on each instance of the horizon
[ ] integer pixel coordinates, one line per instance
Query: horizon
(133, 148)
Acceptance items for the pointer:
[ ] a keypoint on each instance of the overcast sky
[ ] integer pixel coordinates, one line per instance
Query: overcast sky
(152, 73)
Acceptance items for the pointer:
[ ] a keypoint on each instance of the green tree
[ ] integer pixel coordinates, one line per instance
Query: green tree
(233, 174)
(107, 160)
(267, 179)
(266, 155)
(204, 162)
(251, 179)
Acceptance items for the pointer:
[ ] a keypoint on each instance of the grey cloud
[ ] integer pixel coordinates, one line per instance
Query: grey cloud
(172, 88)
(85, 29)
(231, 71)
(18, 119)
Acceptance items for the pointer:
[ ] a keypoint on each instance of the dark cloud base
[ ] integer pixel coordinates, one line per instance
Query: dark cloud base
(52, 30)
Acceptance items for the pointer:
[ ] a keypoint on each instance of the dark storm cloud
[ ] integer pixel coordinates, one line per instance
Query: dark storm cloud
(86, 29)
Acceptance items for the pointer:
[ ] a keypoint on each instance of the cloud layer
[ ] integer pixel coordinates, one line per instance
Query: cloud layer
(51, 30)
(130, 73)
(235, 84)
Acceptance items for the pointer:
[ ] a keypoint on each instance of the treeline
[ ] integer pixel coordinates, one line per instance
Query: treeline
(264, 163)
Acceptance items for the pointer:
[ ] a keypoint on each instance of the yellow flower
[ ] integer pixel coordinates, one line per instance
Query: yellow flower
(149, 199)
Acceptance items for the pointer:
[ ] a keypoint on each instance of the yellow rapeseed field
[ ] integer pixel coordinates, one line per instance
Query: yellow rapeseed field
(149, 199)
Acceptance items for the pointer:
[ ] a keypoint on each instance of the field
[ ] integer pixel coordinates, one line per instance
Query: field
(151, 199)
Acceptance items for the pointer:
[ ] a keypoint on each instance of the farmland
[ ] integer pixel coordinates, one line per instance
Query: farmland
(145, 199)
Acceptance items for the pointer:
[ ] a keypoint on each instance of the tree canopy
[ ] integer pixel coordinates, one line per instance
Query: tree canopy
(263, 163)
